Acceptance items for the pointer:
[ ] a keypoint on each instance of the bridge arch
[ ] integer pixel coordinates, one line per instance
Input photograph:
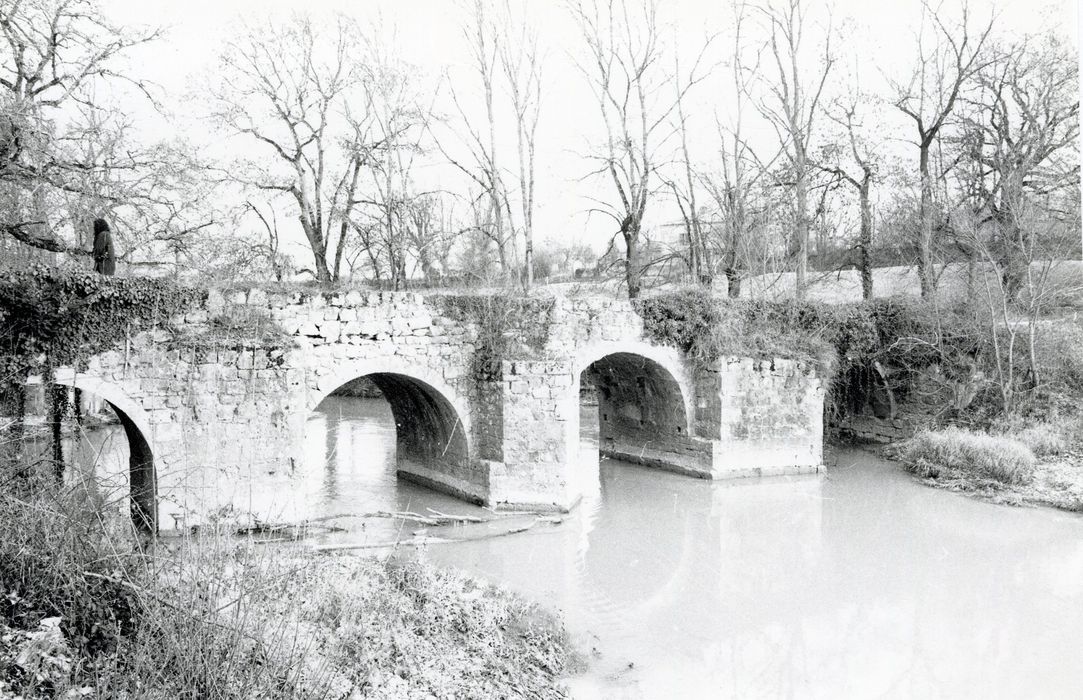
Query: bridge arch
(432, 425)
(663, 366)
(646, 411)
(142, 471)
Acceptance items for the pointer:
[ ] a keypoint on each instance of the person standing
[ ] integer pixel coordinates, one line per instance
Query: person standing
(105, 260)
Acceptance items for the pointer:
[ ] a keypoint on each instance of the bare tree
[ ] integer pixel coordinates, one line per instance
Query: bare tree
(68, 154)
(633, 92)
(944, 66)
(501, 45)
(736, 184)
(853, 160)
(271, 249)
(522, 66)
(484, 39)
(285, 87)
(399, 118)
(1019, 143)
(430, 234)
(696, 253)
(794, 92)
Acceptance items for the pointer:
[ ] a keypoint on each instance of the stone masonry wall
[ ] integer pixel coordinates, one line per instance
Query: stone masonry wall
(221, 414)
(765, 416)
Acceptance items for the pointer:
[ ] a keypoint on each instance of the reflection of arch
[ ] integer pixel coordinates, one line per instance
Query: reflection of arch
(643, 575)
(143, 482)
(432, 428)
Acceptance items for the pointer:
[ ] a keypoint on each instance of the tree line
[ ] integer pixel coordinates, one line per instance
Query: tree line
(816, 159)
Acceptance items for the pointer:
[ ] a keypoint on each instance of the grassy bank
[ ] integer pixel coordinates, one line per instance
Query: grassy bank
(1036, 464)
(85, 614)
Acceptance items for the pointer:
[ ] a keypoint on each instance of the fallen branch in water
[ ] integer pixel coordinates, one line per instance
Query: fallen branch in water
(289, 531)
(419, 540)
(436, 519)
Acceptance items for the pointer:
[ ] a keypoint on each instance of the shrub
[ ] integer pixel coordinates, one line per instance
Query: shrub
(1059, 355)
(853, 345)
(405, 625)
(56, 561)
(932, 452)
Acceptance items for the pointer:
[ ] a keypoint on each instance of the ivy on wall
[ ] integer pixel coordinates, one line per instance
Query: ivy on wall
(52, 317)
(850, 344)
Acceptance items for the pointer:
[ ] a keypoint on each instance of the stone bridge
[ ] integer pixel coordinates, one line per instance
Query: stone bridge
(485, 393)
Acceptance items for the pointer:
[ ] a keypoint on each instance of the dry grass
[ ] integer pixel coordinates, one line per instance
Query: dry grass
(952, 449)
(994, 467)
(215, 617)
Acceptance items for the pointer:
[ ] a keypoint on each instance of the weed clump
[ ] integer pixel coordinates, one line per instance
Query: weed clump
(932, 453)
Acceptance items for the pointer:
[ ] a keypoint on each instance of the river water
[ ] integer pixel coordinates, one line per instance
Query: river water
(861, 583)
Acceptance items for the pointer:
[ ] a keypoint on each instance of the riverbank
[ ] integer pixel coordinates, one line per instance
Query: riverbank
(84, 615)
(1038, 466)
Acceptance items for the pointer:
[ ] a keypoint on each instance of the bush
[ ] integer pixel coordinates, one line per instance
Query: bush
(1048, 436)
(853, 345)
(1059, 354)
(932, 452)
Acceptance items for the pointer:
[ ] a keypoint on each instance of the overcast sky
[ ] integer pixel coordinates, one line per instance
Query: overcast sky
(878, 39)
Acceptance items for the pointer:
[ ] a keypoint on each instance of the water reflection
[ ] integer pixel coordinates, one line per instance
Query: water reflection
(860, 583)
(99, 472)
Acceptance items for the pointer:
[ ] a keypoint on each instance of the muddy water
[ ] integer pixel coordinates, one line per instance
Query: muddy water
(862, 583)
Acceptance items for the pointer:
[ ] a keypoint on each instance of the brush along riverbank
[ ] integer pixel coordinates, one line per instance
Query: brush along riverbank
(1038, 465)
(83, 615)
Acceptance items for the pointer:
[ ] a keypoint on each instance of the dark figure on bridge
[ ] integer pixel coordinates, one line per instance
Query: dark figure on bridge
(105, 260)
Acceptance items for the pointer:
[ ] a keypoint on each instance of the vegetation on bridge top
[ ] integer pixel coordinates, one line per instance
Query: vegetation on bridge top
(61, 316)
(856, 345)
(832, 337)
(55, 316)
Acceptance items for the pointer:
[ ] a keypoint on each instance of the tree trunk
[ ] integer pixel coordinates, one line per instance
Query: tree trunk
(528, 258)
(693, 256)
(925, 234)
(319, 251)
(501, 254)
(971, 274)
(58, 402)
(1013, 265)
(706, 267)
(427, 267)
(11, 443)
(865, 241)
(1015, 247)
(632, 271)
(733, 282)
(801, 244)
